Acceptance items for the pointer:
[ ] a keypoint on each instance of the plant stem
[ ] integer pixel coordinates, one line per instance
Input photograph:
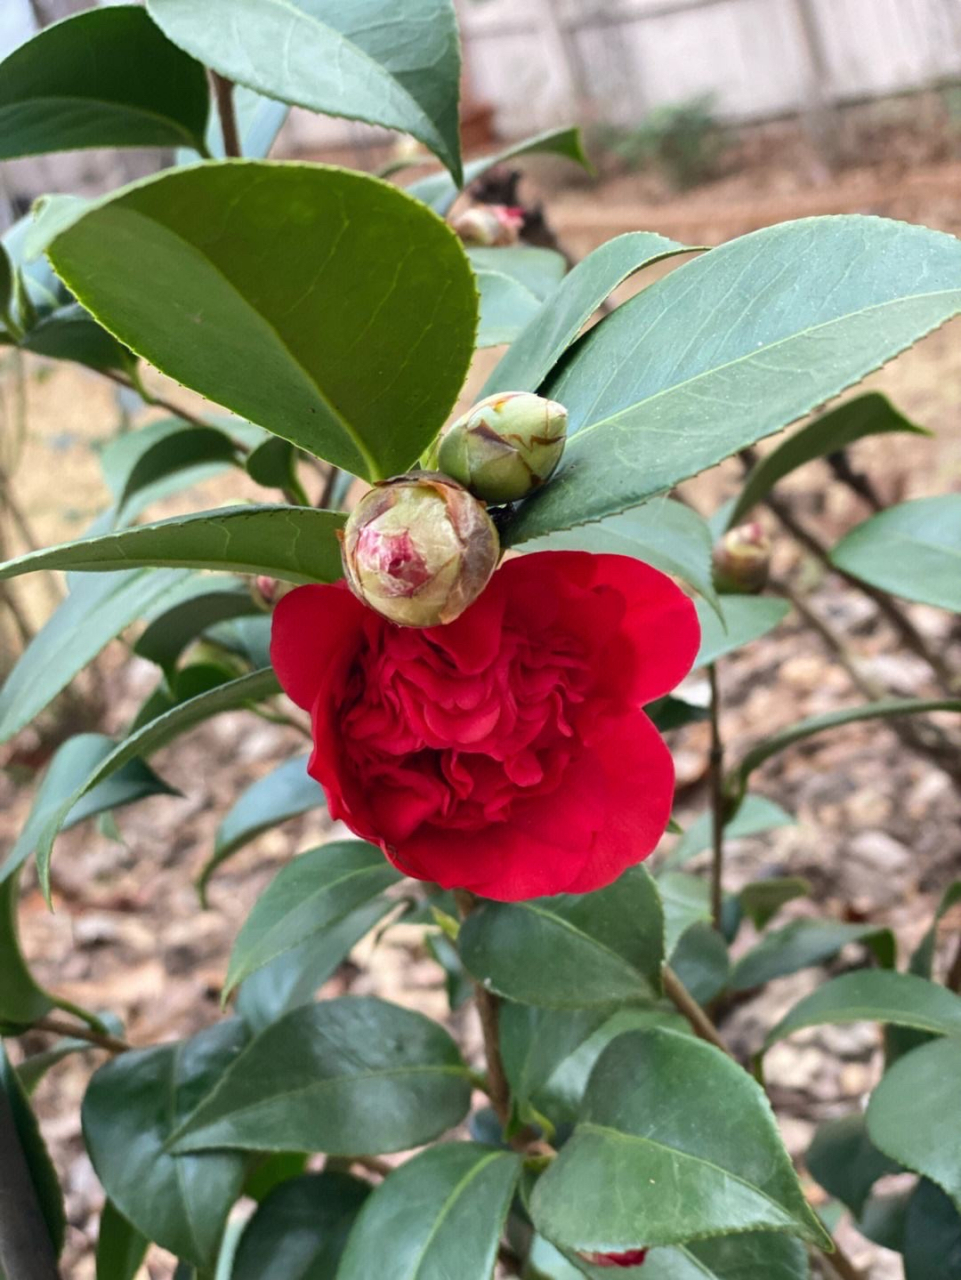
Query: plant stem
(327, 492)
(26, 1250)
(840, 1264)
(717, 801)
(488, 1007)
(224, 93)
(685, 1003)
(161, 403)
(62, 1027)
(953, 979)
(373, 1163)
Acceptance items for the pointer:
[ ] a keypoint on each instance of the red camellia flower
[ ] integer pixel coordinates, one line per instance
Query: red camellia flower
(506, 752)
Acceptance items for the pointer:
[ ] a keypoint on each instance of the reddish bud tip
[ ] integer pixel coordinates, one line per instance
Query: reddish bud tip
(742, 560)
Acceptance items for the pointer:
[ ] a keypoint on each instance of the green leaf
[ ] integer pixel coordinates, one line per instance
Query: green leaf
(803, 944)
(539, 271)
(295, 544)
(932, 1235)
(300, 1230)
(513, 284)
(845, 1161)
(671, 712)
(32, 1069)
(72, 762)
(248, 638)
(104, 78)
(922, 961)
(912, 550)
(222, 306)
(38, 1162)
(394, 63)
(292, 979)
(212, 600)
(685, 900)
(763, 899)
(683, 1166)
(439, 190)
(883, 710)
(755, 815)
(701, 961)
(270, 1171)
(731, 347)
(743, 619)
(577, 297)
(180, 447)
(178, 687)
(132, 1105)
(349, 1076)
(273, 464)
(93, 614)
(666, 534)
(570, 951)
(901, 999)
(883, 1220)
(312, 893)
(755, 1255)
(22, 999)
(259, 120)
(440, 1214)
(914, 1115)
(121, 1248)
(71, 333)
(871, 414)
(285, 793)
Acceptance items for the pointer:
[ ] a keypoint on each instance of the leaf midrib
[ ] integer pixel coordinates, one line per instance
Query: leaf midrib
(108, 103)
(448, 1205)
(633, 972)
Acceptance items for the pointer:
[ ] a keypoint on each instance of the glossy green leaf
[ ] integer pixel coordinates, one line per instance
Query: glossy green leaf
(683, 1166)
(912, 550)
(666, 534)
(671, 712)
(845, 1162)
(93, 614)
(273, 464)
(38, 1162)
(538, 270)
(570, 951)
(103, 78)
(284, 793)
(121, 1248)
(755, 815)
(578, 296)
(685, 900)
(763, 899)
(309, 895)
(180, 686)
(875, 995)
(701, 961)
(32, 1069)
(300, 1230)
(269, 1171)
(731, 347)
(176, 450)
(264, 312)
(22, 999)
(743, 620)
(932, 1235)
(72, 763)
(439, 191)
(513, 284)
(755, 1255)
(803, 944)
(295, 544)
(248, 638)
(293, 978)
(394, 63)
(212, 600)
(132, 1105)
(914, 1115)
(71, 333)
(349, 1076)
(871, 414)
(440, 1214)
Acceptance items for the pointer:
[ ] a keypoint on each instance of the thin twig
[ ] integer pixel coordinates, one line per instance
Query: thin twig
(488, 1006)
(685, 1003)
(953, 979)
(718, 804)
(224, 93)
(374, 1164)
(161, 403)
(327, 493)
(62, 1027)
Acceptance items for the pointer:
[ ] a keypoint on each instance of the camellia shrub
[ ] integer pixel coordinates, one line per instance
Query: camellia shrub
(486, 642)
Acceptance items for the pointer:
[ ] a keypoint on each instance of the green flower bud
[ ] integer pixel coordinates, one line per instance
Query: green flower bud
(742, 560)
(506, 446)
(419, 549)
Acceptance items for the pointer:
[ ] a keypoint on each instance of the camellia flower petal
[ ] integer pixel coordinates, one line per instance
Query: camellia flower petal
(506, 752)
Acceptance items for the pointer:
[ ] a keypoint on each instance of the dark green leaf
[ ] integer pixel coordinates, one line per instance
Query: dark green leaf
(870, 414)
(273, 464)
(763, 899)
(212, 600)
(32, 1069)
(92, 615)
(670, 712)
(754, 815)
(685, 901)
(270, 1171)
(222, 306)
(803, 944)
(570, 951)
(883, 1220)
(550, 333)
(701, 961)
(440, 1214)
(122, 454)
(177, 449)
(104, 78)
(309, 895)
(539, 271)
(22, 1000)
(120, 1246)
(912, 550)
(729, 348)
(439, 191)
(284, 793)
(744, 619)
(248, 638)
(683, 1166)
(178, 687)
(389, 62)
(457, 983)
(300, 1230)
(348, 1076)
(39, 1166)
(295, 544)
(755, 1255)
(132, 1105)
(901, 999)
(914, 1115)
(845, 1161)
(932, 1235)
(71, 333)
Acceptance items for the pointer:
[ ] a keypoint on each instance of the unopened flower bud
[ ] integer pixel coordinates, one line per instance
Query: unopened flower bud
(506, 446)
(489, 225)
(419, 549)
(266, 590)
(742, 560)
(629, 1258)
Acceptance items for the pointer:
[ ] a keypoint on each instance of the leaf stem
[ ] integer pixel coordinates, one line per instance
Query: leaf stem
(150, 399)
(840, 1264)
(62, 1027)
(718, 800)
(488, 1007)
(26, 1250)
(224, 93)
(685, 1003)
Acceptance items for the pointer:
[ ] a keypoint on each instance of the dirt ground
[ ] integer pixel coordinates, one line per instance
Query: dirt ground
(878, 828)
